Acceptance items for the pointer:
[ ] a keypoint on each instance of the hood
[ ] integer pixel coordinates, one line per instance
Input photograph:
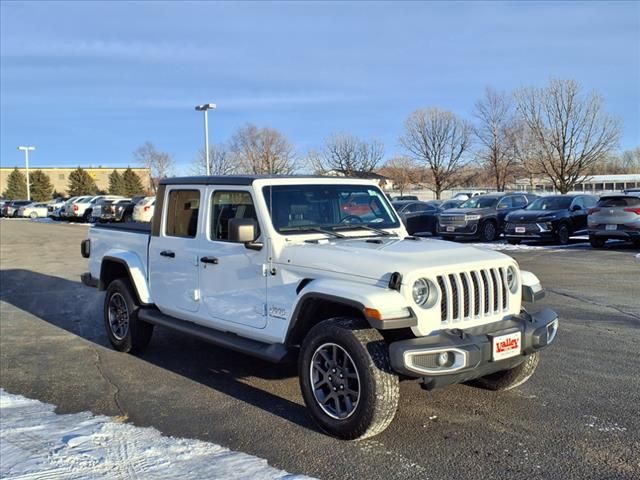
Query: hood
(533, 215)
(377, 260)
(469, 211)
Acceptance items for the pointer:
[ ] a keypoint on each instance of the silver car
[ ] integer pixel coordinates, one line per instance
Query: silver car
(615, 217)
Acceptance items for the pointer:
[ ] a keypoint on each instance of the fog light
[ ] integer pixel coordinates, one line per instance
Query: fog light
(445, 359)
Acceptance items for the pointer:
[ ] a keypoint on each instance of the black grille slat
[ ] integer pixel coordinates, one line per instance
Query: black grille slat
(485, 282)
(496, 285)
(465, 295)
(443, 300)
(476, 289)
(503, 284)
(454, 296)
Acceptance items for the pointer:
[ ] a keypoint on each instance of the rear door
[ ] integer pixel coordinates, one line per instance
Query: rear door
(173, 253)
(232, 277)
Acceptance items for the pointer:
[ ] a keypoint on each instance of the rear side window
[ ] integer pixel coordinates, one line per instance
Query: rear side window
(520, 201)
(620, 201)
(182, 213)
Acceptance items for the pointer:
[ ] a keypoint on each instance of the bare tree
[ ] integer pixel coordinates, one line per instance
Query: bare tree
(496, 130)
(570, 130)
(262, 151)
(160, 164)
(439, 140)
(348, 155)
(402, 171)
(631, 160)
(221, 162)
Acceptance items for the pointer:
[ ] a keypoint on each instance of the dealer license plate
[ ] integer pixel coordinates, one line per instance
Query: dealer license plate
(611, 227)
(520, 230)
(451, 229)
(507, 346)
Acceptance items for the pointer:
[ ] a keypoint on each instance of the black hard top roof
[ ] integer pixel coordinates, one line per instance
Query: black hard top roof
(239, 179)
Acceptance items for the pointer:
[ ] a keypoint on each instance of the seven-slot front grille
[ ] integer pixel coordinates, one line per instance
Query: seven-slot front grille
(474, 294)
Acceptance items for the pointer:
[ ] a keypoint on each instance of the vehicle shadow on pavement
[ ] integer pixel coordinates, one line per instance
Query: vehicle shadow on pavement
(78, 309)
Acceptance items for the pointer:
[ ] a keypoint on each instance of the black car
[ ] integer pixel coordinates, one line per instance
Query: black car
(127, 212)
(417, 216)
(422, 217)
(482, 216)
(401, 198)
(555, 218)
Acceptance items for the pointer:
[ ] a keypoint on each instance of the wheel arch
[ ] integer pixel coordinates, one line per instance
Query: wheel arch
(119, 266)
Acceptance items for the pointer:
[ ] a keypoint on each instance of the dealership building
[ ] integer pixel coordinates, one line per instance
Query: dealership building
(59, 176)
(589, 184)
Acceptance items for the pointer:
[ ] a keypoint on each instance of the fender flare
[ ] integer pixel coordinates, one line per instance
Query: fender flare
(135, 271)
(395, 314)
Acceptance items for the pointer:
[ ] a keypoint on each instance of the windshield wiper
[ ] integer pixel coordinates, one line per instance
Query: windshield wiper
(307, 228)
(379, 231)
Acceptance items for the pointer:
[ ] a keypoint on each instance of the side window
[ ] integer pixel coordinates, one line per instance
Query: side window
(578, 201)
(226, 205)
(505, 203)
(182, 213)
(590, 202)
(519, 201)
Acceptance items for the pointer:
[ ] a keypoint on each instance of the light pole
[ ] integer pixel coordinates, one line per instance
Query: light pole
(26, 151)
(205, 108)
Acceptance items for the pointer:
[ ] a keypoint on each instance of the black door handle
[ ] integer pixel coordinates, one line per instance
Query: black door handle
(168, 253)
(213, 260)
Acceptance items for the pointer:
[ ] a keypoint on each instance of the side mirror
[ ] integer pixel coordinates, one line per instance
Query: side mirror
(575, 208)
(244, 230)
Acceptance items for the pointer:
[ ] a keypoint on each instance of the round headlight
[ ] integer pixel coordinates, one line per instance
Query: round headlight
(512, 279)
(420, 291)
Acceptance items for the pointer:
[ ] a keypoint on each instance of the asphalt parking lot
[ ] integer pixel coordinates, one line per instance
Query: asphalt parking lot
(577, 418)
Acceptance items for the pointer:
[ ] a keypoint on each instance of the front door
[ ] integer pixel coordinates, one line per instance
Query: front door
(173, 254)
(233, 279)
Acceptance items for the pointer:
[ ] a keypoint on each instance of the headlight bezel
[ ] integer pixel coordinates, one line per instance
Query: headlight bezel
(512, 279)
(427, 299)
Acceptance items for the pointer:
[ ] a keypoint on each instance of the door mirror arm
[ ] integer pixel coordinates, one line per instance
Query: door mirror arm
(253, 245)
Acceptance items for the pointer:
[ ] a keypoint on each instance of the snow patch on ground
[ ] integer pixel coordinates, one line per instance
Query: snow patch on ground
(503, 246)
(35, 443)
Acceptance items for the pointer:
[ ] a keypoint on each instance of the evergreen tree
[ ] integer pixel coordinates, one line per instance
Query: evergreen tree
(132, 183)
(116, 184)
(40, 186)
(16, 186)
(81, 183)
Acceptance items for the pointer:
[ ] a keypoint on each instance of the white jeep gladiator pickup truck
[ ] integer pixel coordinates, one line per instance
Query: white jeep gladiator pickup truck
(322, 268)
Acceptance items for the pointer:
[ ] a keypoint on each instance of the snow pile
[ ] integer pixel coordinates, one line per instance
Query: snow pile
(523, 247)
(37, 443)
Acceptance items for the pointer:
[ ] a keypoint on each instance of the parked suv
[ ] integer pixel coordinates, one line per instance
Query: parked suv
(482, 216)
(556, 218)
(615, 217)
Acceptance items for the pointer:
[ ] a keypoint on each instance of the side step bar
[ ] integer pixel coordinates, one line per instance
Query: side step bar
(270, 352)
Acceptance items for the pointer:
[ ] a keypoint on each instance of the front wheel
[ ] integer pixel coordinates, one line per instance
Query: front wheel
(512, 378)
(488, 232)
(563, 234)
(33, 215)
(346, 379)
(125, 331)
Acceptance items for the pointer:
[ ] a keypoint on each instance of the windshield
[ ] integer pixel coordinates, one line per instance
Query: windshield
(550, 203)
(480, 202)
(300, 208)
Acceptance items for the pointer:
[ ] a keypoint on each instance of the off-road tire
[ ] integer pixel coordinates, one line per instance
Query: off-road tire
(488, 231)
(514, 241)
(597, 242)
(512, 378)
(378, 385)
(563, 234)
(138, 333)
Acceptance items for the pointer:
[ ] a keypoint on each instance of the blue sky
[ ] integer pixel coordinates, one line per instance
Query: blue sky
(88, 82)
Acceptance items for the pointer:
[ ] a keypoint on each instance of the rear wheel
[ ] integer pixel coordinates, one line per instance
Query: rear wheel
(33, 215)
(127, 217)
(597, 242)
(125, 331)
(87, 216)
(562, 235)
(346, 379)
(488, 231)
(512, 378)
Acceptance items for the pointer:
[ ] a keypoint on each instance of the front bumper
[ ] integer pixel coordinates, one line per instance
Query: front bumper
(470, 228)
(471, 348)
